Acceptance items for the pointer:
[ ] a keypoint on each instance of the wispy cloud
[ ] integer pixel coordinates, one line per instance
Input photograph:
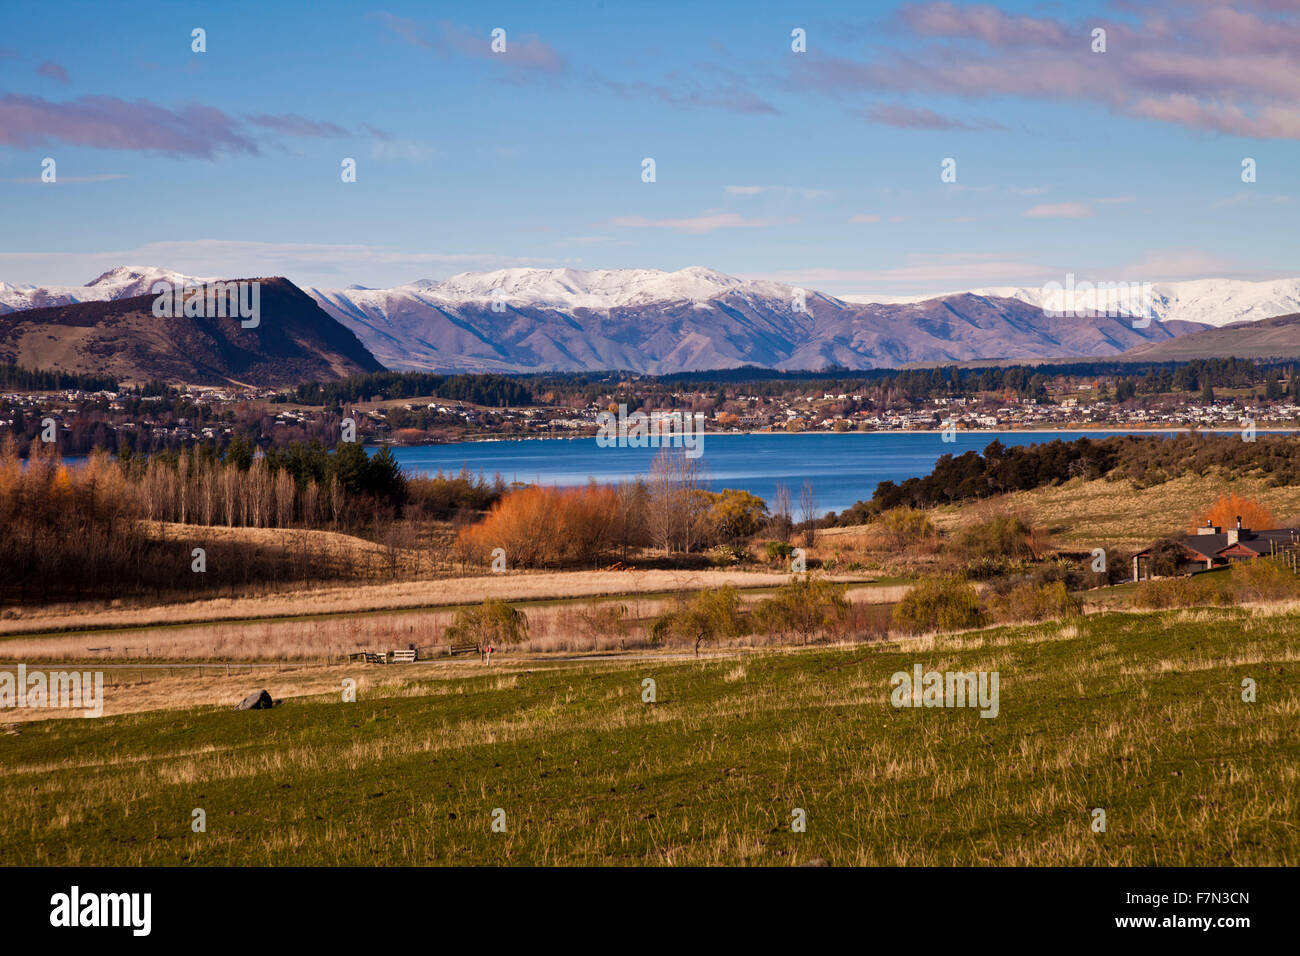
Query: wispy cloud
(109, 123)
(291, 125)
(105, 122)
(910, 117)
(706, 222)
(97, 178)
(53, 71)
(523, 51)
(1059, 210)
(1193, 64)
(733, 96)
(780, 190)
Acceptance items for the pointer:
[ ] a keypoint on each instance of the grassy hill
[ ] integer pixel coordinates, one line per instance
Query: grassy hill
(1139, 714)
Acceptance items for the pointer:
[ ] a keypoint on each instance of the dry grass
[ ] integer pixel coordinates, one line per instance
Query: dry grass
(441, 592)
(553, 628)
(1089, 514)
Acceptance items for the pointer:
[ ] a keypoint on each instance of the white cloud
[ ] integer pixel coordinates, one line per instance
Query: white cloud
(706, 222)
(1060, 210)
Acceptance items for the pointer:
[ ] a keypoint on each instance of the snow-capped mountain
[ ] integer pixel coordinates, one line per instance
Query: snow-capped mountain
(120, 283)
(647, 320)
(1207, 301)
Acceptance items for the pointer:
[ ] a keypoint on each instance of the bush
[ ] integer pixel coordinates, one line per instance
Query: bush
(1116, 571)
(938, 604)
(778, 552)
(493, 621)
(547, 527)
(725, 555)
(904, 525)
(600, 619)
(1035, 601)
(998, 537)
(807, 606)
(1264, 580)
(1197, 590)
(707, 616)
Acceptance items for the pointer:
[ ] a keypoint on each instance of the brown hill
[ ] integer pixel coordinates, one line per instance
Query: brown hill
(294, 341)
(1278, 337)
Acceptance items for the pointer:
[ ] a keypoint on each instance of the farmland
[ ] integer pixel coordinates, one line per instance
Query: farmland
(1140, 714)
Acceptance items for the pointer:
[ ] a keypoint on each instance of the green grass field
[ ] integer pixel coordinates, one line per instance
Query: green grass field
(1139, 714)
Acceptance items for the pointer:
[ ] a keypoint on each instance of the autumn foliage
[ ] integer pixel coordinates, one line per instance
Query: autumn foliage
(546, 527)
(1225, 511)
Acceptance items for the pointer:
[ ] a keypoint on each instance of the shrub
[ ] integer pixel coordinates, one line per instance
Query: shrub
(1264, 580)
(938, 604)
(707, 616)
(1197, 590)
(778, 551)
(492, 621)
(599, 619)
(725, 555)
(546, 527)
(1034, 601)
(904, 525)
(998, 537)
(807, 606)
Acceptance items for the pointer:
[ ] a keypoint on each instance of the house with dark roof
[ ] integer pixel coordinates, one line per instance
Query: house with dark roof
(1213, 547)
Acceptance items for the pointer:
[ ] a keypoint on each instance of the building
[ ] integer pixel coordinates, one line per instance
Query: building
(1212, 547)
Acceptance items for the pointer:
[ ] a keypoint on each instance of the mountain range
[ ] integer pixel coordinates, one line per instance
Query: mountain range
(646, 320)
(292, 340)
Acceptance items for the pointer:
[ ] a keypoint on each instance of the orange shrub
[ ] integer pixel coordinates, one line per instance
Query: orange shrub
(545, 527)
(1225, 510)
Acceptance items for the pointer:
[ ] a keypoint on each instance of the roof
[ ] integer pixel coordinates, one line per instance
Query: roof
(1253, 542)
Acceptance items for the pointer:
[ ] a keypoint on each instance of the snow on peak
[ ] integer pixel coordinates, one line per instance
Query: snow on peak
(595, 289)
(1209, 301)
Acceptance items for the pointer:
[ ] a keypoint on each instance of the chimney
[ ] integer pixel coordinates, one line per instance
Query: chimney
(1208, 529)
(1234, 534)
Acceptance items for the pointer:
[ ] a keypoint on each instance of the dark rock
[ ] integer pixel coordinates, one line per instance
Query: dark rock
(258, 700)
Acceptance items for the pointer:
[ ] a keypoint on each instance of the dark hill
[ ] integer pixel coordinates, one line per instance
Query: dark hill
(294, 341)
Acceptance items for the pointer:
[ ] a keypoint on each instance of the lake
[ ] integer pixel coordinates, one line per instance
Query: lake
(843, 468)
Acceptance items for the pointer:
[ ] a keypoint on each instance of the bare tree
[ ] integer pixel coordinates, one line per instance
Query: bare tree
(781, 523)
(676, 506)
(808, 512)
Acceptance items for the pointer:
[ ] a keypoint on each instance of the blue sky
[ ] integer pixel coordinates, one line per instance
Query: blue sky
(819, 168)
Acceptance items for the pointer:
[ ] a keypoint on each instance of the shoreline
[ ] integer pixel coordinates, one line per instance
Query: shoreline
(1083, 432)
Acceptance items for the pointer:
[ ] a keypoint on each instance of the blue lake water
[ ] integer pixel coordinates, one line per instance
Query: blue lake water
(843, 468)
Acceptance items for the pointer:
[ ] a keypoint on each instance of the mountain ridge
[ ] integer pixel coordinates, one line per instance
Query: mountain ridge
(652, 321)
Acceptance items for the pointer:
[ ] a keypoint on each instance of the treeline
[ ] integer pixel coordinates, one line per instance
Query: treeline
(496, 391)
(920, 384)
(1145, 459)
(70, 534)
(16, 377)
(79, 532)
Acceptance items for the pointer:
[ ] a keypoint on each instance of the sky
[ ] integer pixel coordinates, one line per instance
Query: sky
(821, 168)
